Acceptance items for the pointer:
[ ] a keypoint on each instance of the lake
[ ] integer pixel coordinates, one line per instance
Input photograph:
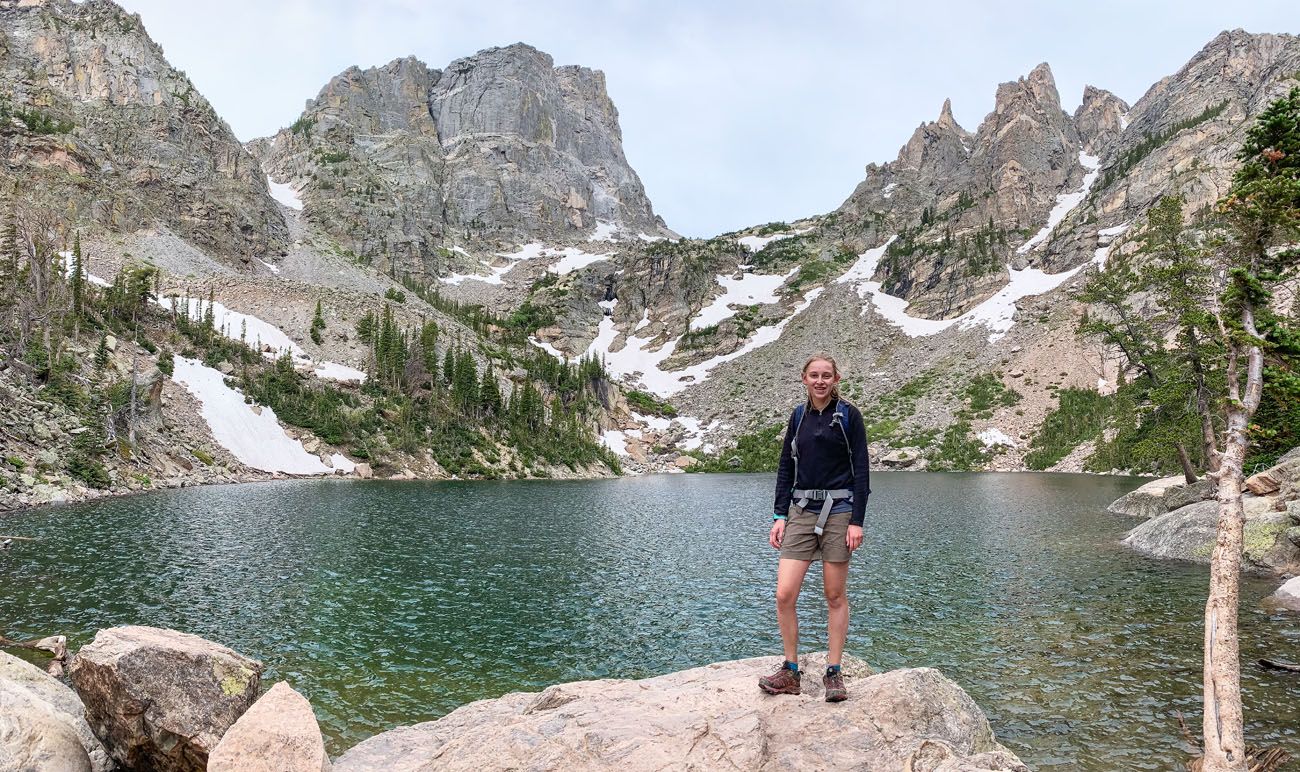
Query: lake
(391, 603)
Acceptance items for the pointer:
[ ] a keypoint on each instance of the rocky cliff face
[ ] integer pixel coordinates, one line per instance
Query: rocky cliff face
(405, 165)
(97, 123)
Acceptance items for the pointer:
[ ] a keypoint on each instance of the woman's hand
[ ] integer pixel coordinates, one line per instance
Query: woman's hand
(854, 537)
(777, 534)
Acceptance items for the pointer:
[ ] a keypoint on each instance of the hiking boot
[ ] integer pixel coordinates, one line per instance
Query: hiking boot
(834, 683)
(783, 681)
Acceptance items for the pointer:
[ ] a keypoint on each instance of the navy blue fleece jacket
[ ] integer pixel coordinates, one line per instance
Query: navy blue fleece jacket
(824, 460)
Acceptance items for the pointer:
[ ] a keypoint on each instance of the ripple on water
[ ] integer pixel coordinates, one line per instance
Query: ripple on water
(392, 603)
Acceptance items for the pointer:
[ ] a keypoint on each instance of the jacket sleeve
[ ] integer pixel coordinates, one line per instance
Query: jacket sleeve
(861, 466)
(785, 472)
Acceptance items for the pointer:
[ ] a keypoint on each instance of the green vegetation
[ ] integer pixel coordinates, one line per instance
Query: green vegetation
(958, 450)
(37, 121)
(395, 295)
(317, 325)
(818, 270)
(985, 393)
(757, 451)
(302, 126)
(1080, 415)
(648, 404)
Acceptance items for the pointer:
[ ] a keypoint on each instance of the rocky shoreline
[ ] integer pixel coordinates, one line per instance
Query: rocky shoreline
(1180, 522)
(150, 698)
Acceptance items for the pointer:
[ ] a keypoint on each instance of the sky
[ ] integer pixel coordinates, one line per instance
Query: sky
(733, 113)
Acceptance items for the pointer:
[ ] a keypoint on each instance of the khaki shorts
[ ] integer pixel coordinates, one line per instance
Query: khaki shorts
(801, 542)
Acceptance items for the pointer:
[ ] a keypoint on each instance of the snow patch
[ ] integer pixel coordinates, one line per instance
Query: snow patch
(336, 372)
(252, 435)
(605, 231)
(1105, 240)
(236, 326)
(272, 268)
(615, 440)
(888, 190)
(285, 193)
(648, 237)
(756, 243)
(750, 289)
(993, 436)
(1065, 202)
(572, 258)
(548, 348)
(997, 313)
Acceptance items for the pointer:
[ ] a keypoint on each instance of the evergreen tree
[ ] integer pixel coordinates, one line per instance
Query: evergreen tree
(448, 368)
(465, 387)
(317, 324)
(429, 350)
(78, 277)
(101, 353)
(490, 394)
(1262, 210)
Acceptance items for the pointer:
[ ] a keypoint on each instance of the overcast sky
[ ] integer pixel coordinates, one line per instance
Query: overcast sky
(733, 113)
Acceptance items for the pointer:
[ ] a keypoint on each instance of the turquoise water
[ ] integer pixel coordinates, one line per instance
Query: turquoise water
(392, 603)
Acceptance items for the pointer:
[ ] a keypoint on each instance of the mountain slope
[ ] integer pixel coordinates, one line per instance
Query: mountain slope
(96, 123)
(412, 167)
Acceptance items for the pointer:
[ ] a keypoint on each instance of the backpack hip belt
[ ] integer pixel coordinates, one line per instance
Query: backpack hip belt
(826, 497)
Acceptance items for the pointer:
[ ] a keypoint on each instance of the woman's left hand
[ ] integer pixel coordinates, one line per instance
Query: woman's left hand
(854, 537)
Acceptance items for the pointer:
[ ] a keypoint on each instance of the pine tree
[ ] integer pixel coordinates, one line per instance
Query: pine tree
(429, 349)
(1262, 210)
(317, 324)
(448, 368)
(101, 353)
(490, 394)
(78, 277)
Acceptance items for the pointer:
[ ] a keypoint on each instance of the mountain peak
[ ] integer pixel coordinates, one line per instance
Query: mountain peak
(946, 120)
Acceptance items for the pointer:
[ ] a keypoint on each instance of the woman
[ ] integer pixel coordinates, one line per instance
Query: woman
(822, 486)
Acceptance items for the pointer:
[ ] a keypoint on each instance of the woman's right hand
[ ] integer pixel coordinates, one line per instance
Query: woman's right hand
(777, 534)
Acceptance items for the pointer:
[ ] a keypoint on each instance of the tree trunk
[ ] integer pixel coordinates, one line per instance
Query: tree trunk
(1225, 744)
(1225, 741)
(1189, 471)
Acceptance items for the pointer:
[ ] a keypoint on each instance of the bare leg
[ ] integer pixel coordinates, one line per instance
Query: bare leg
(834, 577)
(789, 578)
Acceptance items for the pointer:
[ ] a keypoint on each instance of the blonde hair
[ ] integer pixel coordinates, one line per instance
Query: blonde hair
(822, 356)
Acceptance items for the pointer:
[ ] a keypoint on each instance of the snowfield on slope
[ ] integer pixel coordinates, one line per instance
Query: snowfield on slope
(996, 313)
(252, 435)
(285, 193)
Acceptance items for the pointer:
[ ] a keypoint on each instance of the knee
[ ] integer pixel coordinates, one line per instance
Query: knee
(786, 599)
(836, 600)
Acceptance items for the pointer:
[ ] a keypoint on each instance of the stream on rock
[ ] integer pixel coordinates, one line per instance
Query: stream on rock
(392, 603)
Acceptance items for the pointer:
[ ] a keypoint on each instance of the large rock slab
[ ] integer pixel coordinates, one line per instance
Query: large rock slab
(1147, 501)
(38, 717)
(278, 734)
(1189, 533)
(711, 717)
(160, 699)
(35, 736)
(1287, 596)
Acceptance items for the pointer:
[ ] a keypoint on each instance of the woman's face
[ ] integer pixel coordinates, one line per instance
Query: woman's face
(819, 378)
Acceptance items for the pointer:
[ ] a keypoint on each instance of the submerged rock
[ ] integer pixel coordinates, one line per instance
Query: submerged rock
(704, 718)
(43, 724)
(278, 734)
(160, 699)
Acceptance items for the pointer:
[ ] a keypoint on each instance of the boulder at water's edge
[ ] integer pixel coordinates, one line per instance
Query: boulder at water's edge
(160, 699)
(711, 717)
(278, 734)
(42, 723)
